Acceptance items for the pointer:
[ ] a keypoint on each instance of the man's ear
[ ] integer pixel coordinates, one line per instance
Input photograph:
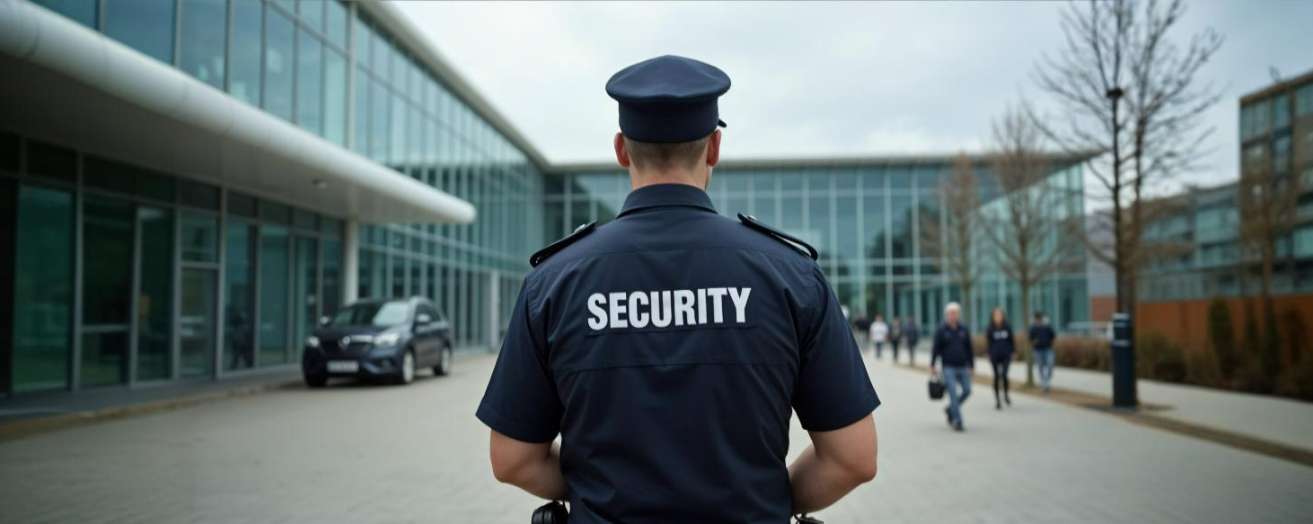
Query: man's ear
(713, 148)
(621, 154)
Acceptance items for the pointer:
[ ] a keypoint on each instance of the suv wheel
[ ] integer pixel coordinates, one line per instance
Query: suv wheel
(444, 362)
(315, 381)
(407, 367)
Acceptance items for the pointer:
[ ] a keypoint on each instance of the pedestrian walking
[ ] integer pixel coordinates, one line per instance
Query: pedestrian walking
(1042, 338)
(635, 342)
(879, 334)
(952, 345)
(895, 336)
(1001, 348)
(912, 333)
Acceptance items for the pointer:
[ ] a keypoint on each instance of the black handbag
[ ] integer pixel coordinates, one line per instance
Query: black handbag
(936, 386)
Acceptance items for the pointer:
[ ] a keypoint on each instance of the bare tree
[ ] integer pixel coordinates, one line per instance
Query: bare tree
(1268, 201)
(1029, 226)
(950, 240)
(1131, 95)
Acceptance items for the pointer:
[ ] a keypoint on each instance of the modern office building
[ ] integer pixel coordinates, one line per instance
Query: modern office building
(1276, 136)
(871, 219)
(187, 185)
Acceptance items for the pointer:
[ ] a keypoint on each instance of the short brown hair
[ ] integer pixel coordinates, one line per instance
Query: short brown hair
(662, 156)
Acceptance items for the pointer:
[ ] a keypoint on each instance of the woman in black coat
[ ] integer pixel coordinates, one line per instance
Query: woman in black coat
(998, 337)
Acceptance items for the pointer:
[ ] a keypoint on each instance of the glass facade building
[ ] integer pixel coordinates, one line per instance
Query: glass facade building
(1276, 136)
(124, 274)
(869, 218)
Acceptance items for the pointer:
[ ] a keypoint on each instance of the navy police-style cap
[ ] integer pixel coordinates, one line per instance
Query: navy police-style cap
(668, 99)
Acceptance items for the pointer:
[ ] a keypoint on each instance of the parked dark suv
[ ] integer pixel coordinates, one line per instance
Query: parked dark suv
(387, 339)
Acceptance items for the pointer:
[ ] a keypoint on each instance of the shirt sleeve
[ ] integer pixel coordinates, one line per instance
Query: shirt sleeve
(521, 401)
(834, 389)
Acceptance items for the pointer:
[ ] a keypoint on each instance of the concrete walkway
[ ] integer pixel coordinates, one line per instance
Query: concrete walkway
(360, 453)
(1284, 421)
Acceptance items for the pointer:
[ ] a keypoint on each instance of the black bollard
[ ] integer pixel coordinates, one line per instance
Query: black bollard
(1123, 362)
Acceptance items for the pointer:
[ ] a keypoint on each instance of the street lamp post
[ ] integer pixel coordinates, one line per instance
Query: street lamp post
(1123, 332)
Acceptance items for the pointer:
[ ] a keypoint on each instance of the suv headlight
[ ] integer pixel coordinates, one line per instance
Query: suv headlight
(312, 341)
(387, 339)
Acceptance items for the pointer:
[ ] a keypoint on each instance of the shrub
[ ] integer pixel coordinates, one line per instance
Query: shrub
(1297, 380)
(1295, 336)
(1221, 334)
(1082, 352)
(1202, 369)
(1252, 378)
(1158, 358)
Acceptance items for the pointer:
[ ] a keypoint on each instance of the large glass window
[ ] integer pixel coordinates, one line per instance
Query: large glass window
(196, 322)
(335, 103)
(239, 297)
(244, 52)
(155, 294)
(81, 11)
(107, 240)
(306, 293)
(335, 25)
(1304, 100)
(278, 81)
(203, 39)
(309, 82)
(144, 25)
(275, 264)
(43, 289)
(1280, 111)
(200, 238)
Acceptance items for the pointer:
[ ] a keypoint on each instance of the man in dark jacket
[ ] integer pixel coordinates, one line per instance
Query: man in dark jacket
(1041, 342)
(912, 333)
(953, 344)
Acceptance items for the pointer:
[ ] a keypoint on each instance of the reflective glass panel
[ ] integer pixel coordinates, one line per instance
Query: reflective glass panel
(278, 36)
(144, 25)
(275, 263)
(244, 52)
(196, 322)
(81, 11)
(309, 82)
(43, 284)
(155, 298)
(239, 293)
(203, 39)
(107, 240)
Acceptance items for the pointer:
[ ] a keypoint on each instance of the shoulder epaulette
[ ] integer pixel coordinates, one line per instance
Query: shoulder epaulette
(554, 247)
(787, 239)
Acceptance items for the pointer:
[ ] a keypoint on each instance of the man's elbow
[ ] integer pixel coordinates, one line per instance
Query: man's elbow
(507, 473)
(862, 472)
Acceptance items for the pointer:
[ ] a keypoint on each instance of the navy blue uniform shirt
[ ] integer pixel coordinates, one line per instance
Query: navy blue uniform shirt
(669, 348)
(954, 346)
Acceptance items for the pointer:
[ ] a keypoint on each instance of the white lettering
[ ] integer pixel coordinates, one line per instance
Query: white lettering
(684, 307)
(664, 308)
(740, 298)
(660, 309)
(638, 313)
(717, 294)
(598, 320)
(617, 310)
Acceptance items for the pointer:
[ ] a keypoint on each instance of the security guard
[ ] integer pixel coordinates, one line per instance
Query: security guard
(668, 347)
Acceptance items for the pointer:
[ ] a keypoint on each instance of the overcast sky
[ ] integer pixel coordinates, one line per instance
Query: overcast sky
(821, 79)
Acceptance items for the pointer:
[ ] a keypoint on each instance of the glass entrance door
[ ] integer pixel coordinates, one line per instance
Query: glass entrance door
(107, 249)
(196, 323)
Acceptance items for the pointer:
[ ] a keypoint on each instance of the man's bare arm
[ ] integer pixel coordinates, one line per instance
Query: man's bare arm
(837, 462)
(532, 467)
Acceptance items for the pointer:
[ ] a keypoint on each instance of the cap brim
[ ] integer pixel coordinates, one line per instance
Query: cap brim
(721, 123)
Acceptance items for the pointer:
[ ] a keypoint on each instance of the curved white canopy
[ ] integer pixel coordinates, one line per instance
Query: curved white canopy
(76, 87)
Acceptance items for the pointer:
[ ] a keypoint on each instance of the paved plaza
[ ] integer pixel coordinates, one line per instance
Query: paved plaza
(360, 453)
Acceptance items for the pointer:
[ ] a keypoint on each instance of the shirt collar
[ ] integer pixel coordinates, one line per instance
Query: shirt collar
(661, 195)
